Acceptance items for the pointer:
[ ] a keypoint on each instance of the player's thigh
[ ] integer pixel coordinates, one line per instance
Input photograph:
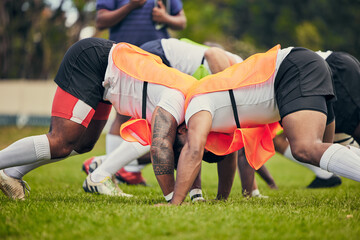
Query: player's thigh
(90, 136)
(64, 134)
(305, 130)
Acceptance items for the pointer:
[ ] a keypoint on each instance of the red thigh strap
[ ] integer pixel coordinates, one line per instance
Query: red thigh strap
(102, 111)
(69, 107)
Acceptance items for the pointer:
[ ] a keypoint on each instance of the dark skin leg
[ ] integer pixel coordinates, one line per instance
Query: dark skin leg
(280, 143)
(265, 174)
(247, 173)
(115, 126)
(356, 134)
(65, 136)
(226, 172)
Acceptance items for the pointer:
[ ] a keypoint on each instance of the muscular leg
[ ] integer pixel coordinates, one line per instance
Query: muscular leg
(226, 172)
(323, 178)
(280, 143)
(84, 144)
(247, 173)
(304, 132)
(115, 126)
(266, 176)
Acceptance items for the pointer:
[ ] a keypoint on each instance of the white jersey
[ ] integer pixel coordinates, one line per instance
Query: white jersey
(324, 55)
(187, 57)
(125, 94)
(256, 104)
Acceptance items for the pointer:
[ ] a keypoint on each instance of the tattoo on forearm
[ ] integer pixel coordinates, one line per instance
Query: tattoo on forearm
(163, 134)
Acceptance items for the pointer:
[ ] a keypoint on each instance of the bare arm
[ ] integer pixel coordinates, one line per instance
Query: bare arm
(163, 126)
(106, 19)
(191, 155)
(226, 172)
(218, 60)
(177, 22)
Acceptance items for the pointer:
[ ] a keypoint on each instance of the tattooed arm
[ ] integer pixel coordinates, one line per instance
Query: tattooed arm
(164, 127)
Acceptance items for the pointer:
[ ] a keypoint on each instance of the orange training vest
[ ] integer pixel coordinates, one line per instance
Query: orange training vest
(257, 141)
(146, 67)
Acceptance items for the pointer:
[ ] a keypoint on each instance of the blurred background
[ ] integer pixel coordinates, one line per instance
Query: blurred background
(35, 34)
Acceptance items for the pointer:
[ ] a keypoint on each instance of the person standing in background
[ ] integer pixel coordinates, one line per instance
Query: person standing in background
(135, 22)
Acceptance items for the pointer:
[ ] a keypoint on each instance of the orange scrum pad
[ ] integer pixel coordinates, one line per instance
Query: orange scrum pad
(136, 130)
(257, 142)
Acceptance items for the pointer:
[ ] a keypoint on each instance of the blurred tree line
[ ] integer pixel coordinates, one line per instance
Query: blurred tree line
(34, 35)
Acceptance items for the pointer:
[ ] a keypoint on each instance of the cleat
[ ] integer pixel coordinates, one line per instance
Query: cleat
(197, 199)
(196, 195)
(256, 194)
(16, 189)
(105, 187)
(333, 181)
(130, 178)
(260, 196)
(91, 164)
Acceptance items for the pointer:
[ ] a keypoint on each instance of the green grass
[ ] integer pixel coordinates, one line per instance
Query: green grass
(59, 209)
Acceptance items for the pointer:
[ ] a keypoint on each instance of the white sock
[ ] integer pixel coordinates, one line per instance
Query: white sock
(20, 171)
(134, 166)
(320, 173)
(341, 161)
(124, 154)
(25, 151)
(113, 142)
(354, 150)
(255, 193)
(169, 196)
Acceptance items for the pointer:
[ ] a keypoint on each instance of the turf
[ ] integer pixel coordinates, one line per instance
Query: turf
(59, 209)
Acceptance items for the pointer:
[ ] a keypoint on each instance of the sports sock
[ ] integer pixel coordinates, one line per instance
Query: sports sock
(134, 166)
(341, 161)
(169, 196)
(20, 171)
(25, 151)
(124, 154)
(113, 142)
(354, 150)
(320, 173)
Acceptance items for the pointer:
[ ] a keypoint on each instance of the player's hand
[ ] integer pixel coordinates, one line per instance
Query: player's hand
(137, 3)
(159, 13)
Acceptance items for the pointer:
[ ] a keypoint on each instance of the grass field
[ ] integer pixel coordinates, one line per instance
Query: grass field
(58, 208)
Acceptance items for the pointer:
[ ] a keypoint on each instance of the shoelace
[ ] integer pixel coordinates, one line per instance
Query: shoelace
(26, 188)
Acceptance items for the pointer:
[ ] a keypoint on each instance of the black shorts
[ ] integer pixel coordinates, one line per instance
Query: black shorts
(346, 74)
(304, 82)
(82, 70)
(156, 48)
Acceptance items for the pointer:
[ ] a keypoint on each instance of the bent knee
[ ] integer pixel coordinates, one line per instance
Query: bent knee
(302, 153)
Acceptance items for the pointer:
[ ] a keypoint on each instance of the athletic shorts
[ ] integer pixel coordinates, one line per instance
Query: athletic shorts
(69, 107)
(346, 74)
(304, 82)
(156, 48)
(82, 70)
